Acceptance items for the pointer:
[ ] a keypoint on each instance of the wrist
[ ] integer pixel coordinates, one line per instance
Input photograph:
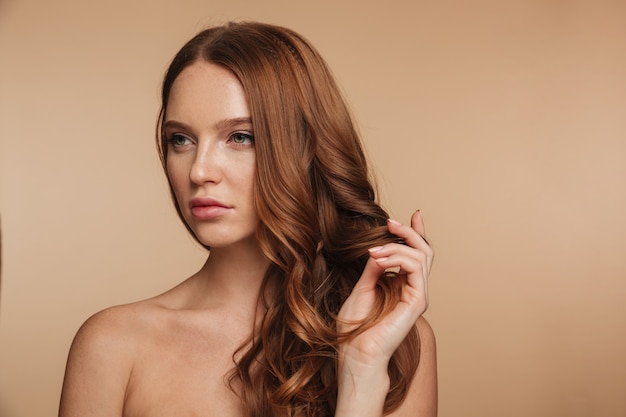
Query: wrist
(362, 389)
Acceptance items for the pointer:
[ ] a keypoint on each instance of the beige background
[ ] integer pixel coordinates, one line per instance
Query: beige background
(504, 121)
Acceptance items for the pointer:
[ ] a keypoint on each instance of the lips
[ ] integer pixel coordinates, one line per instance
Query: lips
(207, 208)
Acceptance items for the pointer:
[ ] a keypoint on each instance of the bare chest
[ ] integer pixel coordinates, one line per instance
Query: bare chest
(185, 374)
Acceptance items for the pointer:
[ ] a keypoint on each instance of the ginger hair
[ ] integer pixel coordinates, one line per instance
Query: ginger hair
(318, 216)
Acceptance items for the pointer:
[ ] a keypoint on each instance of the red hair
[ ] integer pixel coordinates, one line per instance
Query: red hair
(318, 216)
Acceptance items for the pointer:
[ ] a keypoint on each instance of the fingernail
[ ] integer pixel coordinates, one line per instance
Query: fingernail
(392, 221)
(375, 248)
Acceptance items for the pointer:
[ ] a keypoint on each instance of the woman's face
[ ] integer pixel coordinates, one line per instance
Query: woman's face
(210, 154)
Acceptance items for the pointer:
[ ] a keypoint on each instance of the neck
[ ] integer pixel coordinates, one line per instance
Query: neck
(232, 276)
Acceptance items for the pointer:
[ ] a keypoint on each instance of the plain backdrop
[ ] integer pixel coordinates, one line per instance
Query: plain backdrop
(504, 121)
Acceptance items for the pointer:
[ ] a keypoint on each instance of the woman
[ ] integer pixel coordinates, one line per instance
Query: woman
(293, 313)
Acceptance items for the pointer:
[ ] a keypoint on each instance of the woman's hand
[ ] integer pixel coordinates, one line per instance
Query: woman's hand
(363, 360)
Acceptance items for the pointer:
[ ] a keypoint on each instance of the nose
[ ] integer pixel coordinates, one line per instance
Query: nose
(207, 164)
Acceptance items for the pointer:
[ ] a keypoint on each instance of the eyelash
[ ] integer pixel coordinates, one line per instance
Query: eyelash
(172, 140)
(248, 139)
(244, 135)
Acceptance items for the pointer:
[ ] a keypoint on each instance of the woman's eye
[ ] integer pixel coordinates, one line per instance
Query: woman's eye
(241, 138)
(178, 140)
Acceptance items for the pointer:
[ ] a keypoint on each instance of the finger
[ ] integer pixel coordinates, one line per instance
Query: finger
(410, 235)
(370, 275)
(417, 223)
(423, 254)
(414, 277)
(416, 267)
(394, 248)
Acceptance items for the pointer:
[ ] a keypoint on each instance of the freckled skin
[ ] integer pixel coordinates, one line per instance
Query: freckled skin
(171, 355)
(216, 160)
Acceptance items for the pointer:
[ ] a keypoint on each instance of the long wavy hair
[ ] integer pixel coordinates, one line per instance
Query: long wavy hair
(318, 216)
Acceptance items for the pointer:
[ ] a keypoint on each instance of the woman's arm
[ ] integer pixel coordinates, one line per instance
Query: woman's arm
(362, 366)
(98, 369)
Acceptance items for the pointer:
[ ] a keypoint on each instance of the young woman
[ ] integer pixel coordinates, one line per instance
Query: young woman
(296, 311)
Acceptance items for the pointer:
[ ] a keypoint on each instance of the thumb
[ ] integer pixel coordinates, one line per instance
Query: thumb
(369, 277)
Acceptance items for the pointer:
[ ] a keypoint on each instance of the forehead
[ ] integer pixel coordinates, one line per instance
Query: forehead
(206, 90)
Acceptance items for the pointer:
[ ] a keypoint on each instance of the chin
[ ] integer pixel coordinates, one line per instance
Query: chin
(215, 241)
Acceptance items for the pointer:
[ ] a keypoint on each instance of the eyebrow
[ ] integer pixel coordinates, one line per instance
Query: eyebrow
(222, 124)
(237, 121)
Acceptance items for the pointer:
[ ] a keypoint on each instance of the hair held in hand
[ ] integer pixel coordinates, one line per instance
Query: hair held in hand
(318, 217)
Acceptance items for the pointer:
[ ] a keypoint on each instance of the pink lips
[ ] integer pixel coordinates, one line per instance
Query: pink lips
(207, 208)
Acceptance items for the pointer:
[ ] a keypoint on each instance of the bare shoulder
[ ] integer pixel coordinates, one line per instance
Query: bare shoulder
(112, 330)
(120, 329)
(101, 358)
(428, 345)
(422, 397)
